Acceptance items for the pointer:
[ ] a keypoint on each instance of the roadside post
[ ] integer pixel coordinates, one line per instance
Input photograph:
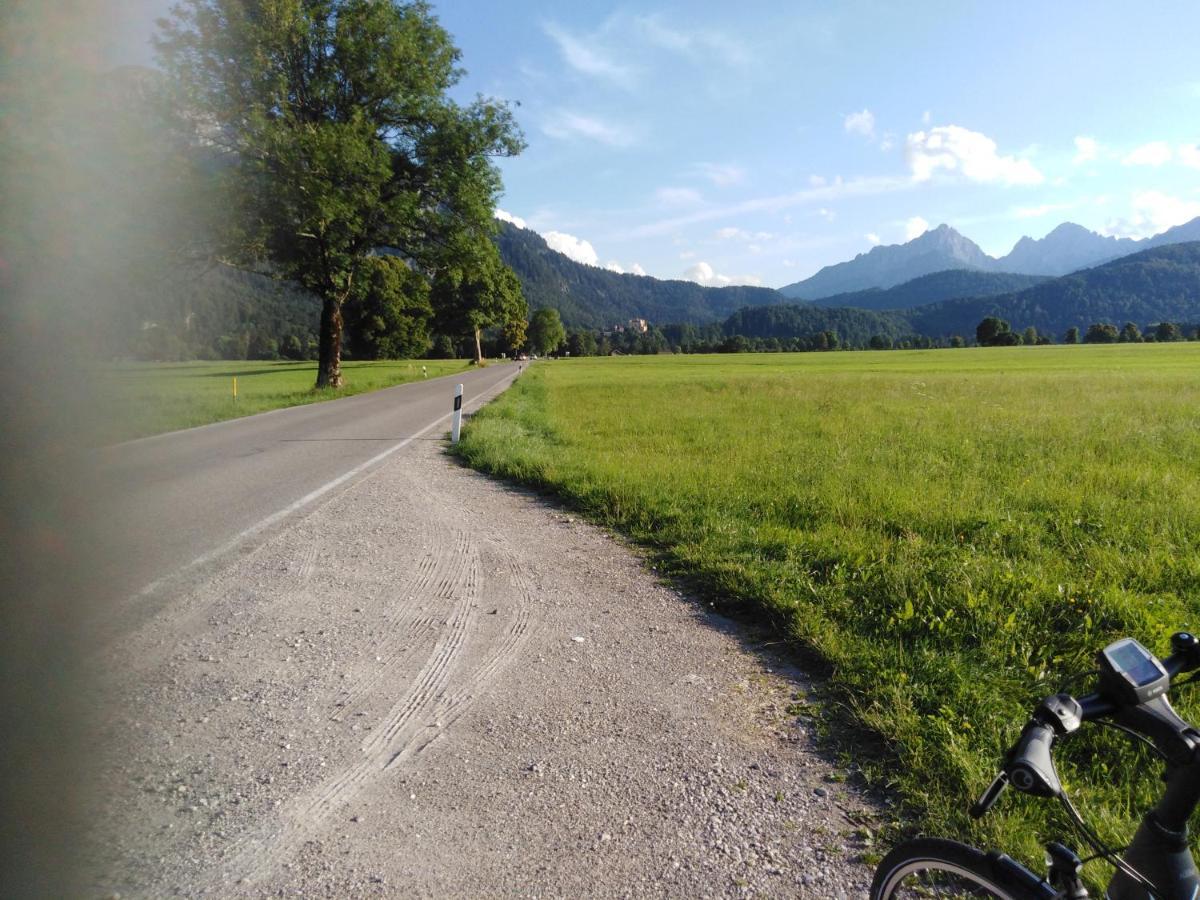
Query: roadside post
(458, 395)
(235, 389)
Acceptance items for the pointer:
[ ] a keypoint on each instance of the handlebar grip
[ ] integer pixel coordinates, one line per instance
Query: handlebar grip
(1030, 768)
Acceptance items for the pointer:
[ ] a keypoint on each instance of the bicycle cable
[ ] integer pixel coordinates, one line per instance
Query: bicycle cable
(1108, 723)
(1104, 850)
(1072, 679)
(1189, 680)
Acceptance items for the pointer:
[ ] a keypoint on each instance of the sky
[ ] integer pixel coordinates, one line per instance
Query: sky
(755, 142)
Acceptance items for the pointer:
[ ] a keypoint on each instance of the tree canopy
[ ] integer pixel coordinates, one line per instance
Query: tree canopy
(546, 331)
(338, 138)
(476, 290)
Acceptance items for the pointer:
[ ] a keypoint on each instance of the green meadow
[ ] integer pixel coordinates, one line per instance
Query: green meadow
(150, 398)
(953, 533)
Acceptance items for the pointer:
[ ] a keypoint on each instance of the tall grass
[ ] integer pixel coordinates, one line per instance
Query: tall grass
(954, 532)
(150, 398)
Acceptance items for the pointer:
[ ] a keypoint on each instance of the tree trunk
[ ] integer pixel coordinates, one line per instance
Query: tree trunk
(329, 363)
(478, 349)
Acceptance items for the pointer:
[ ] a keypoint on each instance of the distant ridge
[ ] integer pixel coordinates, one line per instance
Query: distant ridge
(886, 266)
(1067, 248)
(1161, 284)
(947, 285)
(591, 297)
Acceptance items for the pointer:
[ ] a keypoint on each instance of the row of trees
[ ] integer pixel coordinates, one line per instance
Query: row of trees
(714, 338)
(996, 332)
(325, 130)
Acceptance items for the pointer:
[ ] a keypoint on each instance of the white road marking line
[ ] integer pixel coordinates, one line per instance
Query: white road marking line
(308, 498)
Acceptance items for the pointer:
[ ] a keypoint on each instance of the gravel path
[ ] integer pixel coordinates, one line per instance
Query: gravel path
(434, 685)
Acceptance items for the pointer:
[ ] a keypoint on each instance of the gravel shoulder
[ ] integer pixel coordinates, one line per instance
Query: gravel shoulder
(433, 684)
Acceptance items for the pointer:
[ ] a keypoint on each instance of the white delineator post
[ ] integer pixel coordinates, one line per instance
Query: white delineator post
(458, 394)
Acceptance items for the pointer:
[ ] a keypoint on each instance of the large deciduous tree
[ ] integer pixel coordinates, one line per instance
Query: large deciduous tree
(476, 290)
(546, 331)
(388, 313)
(340, 138)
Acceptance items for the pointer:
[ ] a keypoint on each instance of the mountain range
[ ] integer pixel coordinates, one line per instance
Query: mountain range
(1067, 248)
(1160, 282)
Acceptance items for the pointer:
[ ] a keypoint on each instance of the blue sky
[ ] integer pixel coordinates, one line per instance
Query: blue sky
(755, 142)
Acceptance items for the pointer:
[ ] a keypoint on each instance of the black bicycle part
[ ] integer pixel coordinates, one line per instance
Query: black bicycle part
(934, 867)
(1065, 872)
(1131, 697)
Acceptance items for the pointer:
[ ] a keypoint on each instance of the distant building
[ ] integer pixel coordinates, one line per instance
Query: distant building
(641, 326)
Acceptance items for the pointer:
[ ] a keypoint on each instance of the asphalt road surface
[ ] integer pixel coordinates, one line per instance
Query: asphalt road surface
(183, 501)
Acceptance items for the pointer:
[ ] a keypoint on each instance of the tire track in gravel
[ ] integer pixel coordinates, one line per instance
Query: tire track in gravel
(451, 706)
(432, 704)
(308, 559)
(433, 678)
(403, 627)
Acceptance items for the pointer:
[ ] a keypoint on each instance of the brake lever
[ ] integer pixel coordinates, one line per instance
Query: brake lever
(990, 796)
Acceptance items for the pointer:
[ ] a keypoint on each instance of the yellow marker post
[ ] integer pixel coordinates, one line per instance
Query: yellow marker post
(235, 388)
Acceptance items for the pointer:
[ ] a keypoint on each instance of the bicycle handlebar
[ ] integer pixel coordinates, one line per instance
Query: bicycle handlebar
(1029, 765)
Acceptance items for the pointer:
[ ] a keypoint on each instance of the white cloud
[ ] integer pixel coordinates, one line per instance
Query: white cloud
(866, 186)
(1152, 212)
(872, 237)
(636, 269)
(613, 266)
(888, 142)
(701, 45)
(969, 153)
(827, 214)
(510, 218)
(1086, 149)
(817, 181)
(915, 227)
(926, 117)
(672, 196)
(861, 123)
(1189, 155)
(721, 175)
(576, 248)
(584, 57)
(703, 273)
(566, 125)
(1156, 153)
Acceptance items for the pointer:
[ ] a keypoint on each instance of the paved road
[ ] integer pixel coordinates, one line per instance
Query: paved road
(176, 503)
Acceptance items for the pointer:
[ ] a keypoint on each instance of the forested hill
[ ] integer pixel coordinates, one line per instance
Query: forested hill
(852, 326)
(213, 312)
(591, 297)
(1158, 285)
(946, 285)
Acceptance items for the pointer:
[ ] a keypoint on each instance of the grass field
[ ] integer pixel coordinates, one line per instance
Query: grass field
(150, 398)
(952, 531)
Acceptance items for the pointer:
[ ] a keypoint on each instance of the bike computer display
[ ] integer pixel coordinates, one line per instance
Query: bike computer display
(1130, 673)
